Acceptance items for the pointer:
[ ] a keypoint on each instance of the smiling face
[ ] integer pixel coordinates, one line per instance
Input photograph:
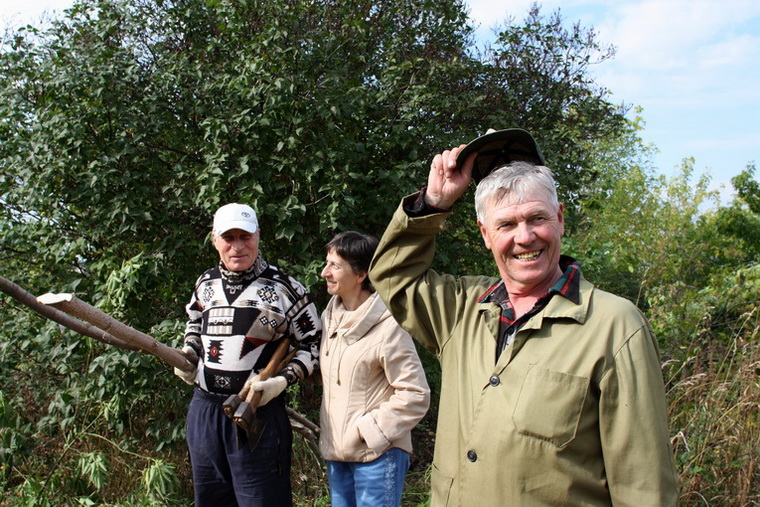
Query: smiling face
(341, 278)
(525, 239)
(237, 248)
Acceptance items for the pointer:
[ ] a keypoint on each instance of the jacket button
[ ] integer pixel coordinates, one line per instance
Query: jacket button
(494, 380)
(472, 456)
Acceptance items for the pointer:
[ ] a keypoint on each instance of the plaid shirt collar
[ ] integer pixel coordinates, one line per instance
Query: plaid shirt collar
(568, 286)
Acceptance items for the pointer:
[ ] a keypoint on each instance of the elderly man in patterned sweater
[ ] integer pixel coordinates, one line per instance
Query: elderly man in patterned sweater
(239, 313)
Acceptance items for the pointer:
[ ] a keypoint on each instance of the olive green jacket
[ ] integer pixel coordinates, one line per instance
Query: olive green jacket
(573, 412)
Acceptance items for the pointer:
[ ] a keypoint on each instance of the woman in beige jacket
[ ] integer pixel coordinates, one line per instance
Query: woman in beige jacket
(375, 389)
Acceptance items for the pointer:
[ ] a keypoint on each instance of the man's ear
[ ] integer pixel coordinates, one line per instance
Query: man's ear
(484, 234)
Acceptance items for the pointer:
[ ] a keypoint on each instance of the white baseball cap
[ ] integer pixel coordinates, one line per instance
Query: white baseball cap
(235, 216)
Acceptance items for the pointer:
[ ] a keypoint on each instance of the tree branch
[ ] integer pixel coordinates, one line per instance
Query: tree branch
(72, 305)
(60, 317)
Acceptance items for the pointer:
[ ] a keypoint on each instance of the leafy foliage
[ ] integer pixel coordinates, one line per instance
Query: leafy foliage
(741, 220)
(715, 391)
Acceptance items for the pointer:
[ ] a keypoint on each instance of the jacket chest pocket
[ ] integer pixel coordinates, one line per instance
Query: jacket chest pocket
(549, 405)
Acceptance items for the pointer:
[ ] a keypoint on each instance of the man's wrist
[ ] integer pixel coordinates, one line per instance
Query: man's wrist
(289, 373)
(194, 343)
(439, 207)
(421, 206)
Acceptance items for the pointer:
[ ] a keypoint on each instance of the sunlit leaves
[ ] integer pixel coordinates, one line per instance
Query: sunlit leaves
(160, 479)
(93, 467)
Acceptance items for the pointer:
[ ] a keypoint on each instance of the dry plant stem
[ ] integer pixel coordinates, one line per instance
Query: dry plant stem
(83, 328)
(74, 306)
(308, 430)
(313, 428)
(308, 436)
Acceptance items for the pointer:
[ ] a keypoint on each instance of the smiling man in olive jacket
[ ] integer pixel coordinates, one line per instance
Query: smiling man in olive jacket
(551, 392)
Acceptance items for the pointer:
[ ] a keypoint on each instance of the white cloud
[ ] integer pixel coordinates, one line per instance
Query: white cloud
(734, 52)
(664, 34)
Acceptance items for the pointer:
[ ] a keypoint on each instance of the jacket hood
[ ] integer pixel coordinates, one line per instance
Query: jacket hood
(368, 315)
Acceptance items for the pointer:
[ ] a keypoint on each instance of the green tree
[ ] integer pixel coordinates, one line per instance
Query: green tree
(645, 232)
(130, 123)
(741, 220)
(538, 73)
(124, 125)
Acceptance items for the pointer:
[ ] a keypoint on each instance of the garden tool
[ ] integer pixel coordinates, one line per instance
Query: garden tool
(248, 400)
(233, 401)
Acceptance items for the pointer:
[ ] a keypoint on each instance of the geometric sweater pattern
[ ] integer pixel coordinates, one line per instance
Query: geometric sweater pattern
(236, 320)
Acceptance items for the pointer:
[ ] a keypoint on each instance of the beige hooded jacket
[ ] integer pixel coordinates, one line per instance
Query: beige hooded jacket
(375, 391)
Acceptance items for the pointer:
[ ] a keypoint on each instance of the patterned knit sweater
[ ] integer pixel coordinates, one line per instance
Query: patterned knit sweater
(236, 320)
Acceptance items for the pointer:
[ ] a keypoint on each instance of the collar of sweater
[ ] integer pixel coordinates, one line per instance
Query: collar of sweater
(258, 267)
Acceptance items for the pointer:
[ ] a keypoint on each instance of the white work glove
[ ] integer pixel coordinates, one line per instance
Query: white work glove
(188, 377)
(270, 388)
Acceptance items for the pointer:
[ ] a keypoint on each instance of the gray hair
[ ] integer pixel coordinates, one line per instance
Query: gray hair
(518, 179)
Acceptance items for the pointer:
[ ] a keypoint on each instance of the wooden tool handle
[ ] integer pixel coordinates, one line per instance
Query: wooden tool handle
(273, 366)
(253, 398)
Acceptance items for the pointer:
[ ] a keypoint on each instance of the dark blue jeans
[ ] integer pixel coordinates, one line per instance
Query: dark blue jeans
(225, 474)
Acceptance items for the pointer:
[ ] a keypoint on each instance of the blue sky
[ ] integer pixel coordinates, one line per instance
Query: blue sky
(692, 65)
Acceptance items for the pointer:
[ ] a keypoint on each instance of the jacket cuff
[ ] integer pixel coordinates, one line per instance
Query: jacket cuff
(426, 224)
(372, 435)
(289, 372)
(416, 205)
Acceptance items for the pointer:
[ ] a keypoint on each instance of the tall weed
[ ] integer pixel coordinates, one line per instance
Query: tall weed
(713, 379)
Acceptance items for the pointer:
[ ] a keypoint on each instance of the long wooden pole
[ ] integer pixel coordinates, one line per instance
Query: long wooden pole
(83, 328)
(72, 305)
(99, 322)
